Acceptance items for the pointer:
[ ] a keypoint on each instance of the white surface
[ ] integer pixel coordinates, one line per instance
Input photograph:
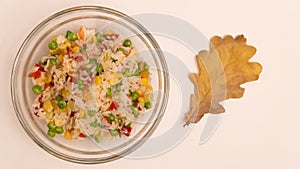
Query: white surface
(259, 131)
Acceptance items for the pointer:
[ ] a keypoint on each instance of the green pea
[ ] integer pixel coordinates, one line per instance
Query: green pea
(81, 87)
(53, 45)
(135, 111)
(53, 61)
(37, 89)
(91, 112)
(69, 35)
(58, 98)
(59, 130)
(118, 87)
(134, 96)
(137, 73)
(94, 123)
(127, 73)
(98, 138)
(99, 37)
(128, 125)
(92, 61)
(89, 72)
(146, 67)
(136, 115)
(120, 121)
(111, 118)
(99, 68)
(43, 62)
(114, 132)
(62, 104)
(51, 133)
(147, 105)
(108, 93)
(51, 125)
(79, 82)
(127, 43)
(121, 50)
(82, 50)
(73, 37)
(141, 65)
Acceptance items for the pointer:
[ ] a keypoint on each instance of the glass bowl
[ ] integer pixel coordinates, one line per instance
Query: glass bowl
(35, 45)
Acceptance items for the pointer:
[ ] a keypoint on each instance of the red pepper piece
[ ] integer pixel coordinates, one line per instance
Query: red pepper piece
(128, 53)
(126, 130)
(112, 36)
(40, 100)
(103, 47)
(69, 52)
(36, 114)
(41, 68)
(113, 106)
(71, 79)
(79, 59)
(106, 122)
(82, 135)
(139, 108)
(37, 74)
(72, 114)
(51, 84)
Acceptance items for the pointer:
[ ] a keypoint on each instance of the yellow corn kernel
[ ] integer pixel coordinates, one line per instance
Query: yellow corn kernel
(81, 113)
(141, 100)
(145, 74)
(71, 105)
(106, 57)
(75, 49)
(62, 46)
(68, 43)
(55, 51)
(87, 96)
(116, 78)
(96, 132)
(57, 121)
(144, 81)
(49, 115)
(65, 93)
(98, 80)
(148, 96)
(105, 65)
(60, 58)
(68, 135)
(58, 110)
(47, 105)
(139, 92)
(54, 104)
(118, 75)
(94, 39)
(48, 79)
(149, 87)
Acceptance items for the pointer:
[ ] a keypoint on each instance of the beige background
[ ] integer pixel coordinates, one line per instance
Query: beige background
(261, 131)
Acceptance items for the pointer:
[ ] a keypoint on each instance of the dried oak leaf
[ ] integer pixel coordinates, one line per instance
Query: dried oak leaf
(221, 72)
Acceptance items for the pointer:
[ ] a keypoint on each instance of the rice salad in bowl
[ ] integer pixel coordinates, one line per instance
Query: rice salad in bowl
(92, 84)
(89, 85)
